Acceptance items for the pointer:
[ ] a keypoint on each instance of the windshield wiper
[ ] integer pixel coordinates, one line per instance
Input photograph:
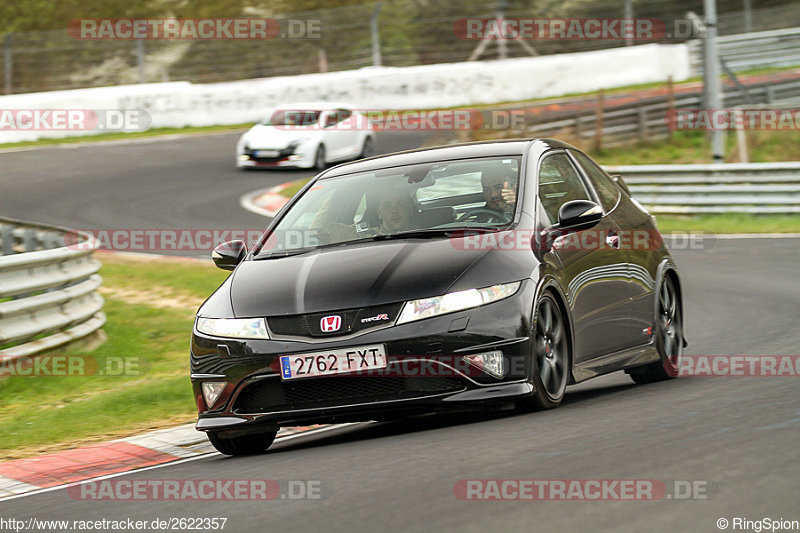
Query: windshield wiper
(434, 232)
(283, 253)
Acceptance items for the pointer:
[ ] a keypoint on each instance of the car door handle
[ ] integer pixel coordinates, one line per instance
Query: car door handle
(612, 239)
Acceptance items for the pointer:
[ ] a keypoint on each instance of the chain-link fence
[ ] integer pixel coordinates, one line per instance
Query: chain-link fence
(388, 33)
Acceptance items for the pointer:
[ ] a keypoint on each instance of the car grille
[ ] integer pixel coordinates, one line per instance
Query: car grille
(272, 395)
(282, 154)
(309, 325)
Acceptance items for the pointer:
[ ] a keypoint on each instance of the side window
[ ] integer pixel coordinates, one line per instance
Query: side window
(559, 183)
(343, 114)
(331, 118)
(606, 188)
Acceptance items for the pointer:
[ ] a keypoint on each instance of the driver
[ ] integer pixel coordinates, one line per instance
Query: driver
(497, 191)
(395, 211)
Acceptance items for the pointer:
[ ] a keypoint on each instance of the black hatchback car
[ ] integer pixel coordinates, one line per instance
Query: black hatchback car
(477, 275)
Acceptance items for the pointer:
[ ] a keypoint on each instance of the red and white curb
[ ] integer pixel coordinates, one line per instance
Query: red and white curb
(53, 470)
(265, 202)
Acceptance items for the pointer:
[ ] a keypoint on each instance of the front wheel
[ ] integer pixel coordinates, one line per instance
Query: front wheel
(668, 337)
(244, 444)
(551, 357)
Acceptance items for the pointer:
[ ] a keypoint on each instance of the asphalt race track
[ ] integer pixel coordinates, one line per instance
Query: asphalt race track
(734, 436)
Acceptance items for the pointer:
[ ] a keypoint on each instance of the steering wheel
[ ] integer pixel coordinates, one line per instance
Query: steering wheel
(484, 215)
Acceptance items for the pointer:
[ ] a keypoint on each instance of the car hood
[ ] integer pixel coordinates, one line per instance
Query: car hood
(352, 276)
(261, 136)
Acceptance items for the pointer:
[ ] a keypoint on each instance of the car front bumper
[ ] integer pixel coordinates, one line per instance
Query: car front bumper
(426, 371)
(301, 156)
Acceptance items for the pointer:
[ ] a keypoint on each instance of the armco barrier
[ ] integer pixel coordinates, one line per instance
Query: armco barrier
(47, 290)
(715, 188)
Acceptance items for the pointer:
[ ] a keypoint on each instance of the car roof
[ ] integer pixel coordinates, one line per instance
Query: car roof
(509, 147)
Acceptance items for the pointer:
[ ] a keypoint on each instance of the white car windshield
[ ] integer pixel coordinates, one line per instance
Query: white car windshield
(292, 117)
(417, 200)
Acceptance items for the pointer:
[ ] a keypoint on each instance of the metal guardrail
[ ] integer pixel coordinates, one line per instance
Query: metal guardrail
(747, 51)
(48, 284)
(715, 188)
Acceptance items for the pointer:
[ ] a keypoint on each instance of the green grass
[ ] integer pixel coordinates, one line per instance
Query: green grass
(295, 187)
(729, 223)
(694, 147)
(45, 413)
(196, 279)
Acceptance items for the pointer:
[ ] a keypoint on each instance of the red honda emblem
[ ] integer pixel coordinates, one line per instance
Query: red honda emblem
(330, 323)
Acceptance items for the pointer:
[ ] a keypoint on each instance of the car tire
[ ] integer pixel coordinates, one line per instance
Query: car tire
(242, 445)
(319, 158)
(668, 337)
(368, 149)
(550, 357)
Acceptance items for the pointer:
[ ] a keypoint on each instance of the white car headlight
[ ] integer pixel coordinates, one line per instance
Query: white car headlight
(236, 328)
(455, 301)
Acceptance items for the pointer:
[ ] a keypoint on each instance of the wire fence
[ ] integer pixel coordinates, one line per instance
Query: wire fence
(385, 33)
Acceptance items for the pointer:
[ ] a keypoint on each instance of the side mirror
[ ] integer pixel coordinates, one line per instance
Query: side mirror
(573, 216)
(579, 213)
(229, 254)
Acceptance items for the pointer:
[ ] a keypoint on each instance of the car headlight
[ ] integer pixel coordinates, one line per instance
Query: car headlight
(237, 328)
(455, 301)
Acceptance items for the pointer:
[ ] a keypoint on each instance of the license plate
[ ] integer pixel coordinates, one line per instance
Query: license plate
(330, 362)
(267, 153)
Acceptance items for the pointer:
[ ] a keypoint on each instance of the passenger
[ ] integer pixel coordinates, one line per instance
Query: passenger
(395, 211)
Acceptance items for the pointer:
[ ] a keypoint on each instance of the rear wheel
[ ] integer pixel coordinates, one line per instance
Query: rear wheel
(242, 445)
(668, 337)
(368, 150)
(551, 357)
(319, 158)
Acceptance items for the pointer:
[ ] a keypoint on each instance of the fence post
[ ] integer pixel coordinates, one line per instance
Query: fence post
(598, 130)
(375, 35)
(8, 68)
(322, 58)
(6, 239)
(642, 122)
(748, 16)
(578, 128)
(628, 15)
(140, 60)
(670, 106)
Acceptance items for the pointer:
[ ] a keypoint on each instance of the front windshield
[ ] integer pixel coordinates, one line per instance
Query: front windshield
(414, 200)
(292, 117)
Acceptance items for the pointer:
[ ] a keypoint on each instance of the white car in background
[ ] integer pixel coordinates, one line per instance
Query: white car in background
(307, 136)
